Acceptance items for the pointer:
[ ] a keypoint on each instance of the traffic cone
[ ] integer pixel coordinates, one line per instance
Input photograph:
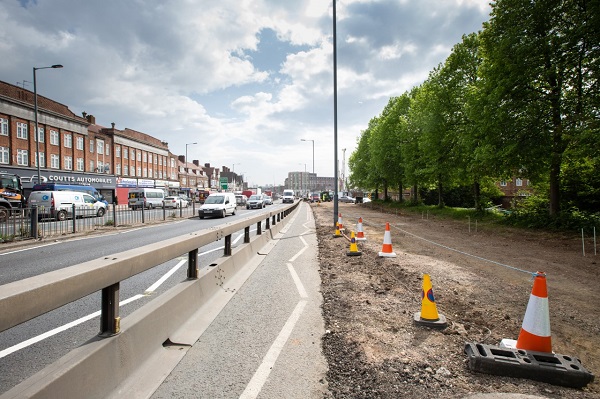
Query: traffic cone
(429, 316)
(340, 224)
(360, 235)
(353, 247)
(535, 331)
(337, 233)
(386, 251)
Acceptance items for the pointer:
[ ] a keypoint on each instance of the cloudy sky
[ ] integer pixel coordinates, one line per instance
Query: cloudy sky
(245, 79)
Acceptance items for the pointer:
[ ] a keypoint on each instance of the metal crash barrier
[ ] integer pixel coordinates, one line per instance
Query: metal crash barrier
(122, 347)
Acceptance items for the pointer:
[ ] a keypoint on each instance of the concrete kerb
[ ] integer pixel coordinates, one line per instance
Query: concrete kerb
(142, 355)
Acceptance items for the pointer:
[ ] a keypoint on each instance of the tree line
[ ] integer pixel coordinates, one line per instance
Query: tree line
(520, 98)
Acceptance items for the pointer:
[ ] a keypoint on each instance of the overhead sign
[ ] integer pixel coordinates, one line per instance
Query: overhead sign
(223, 183)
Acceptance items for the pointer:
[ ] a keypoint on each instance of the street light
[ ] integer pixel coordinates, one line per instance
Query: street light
(313, 152)
(35, 106)
(233, 177)
(187, 172)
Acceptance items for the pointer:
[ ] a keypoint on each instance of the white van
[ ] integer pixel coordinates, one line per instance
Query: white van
(218, 204)
(147, 197)
(288, 196)
(59, 204)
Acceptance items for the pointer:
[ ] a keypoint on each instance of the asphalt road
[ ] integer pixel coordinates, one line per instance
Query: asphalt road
(31, 346)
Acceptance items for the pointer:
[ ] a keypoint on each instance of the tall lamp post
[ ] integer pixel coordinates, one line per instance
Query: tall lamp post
(313, 153)
(233, 174)
(35, 106)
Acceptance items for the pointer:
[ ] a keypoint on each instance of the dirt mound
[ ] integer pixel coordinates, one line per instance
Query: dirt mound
(482, 280)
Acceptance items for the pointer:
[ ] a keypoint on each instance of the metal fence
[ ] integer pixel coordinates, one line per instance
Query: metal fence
(23, 224)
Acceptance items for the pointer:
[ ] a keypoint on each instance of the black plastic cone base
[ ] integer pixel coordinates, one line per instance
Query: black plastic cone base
(439, 324)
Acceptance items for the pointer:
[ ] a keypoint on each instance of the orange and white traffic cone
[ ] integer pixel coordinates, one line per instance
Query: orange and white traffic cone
(340, 223)
(429, 316)
(360, 235)
(535, 331)
(386, 250)
(353, 247)
(337, 233)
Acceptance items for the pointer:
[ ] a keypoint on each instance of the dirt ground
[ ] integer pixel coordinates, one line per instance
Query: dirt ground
(482, 280)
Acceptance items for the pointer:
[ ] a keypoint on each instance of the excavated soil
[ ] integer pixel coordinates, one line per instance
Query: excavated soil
(482, 278)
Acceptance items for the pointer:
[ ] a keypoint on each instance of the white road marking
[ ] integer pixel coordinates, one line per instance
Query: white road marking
(297, 281)
(262, 373)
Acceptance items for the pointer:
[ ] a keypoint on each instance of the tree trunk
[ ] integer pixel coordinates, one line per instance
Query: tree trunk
(401, 199)
(440, 197)
(477, 195)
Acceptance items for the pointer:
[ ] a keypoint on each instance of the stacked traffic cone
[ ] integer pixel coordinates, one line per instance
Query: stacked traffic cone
(353, 247)
(535, 331)
(340, 223)
(337, 233)
(360, 235)
(429, 316)
(386, 251)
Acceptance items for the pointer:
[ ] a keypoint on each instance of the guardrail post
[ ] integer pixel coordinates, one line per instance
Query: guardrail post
(115, 215)
(34, 222)
(74, 220)
(268, 223)
(278, 216)
(273, 222)
(165, 211)
(259, 228)
(143, 216)
(247, 235)
(110, 322)
(227, 251)
(181, 211)
(193, 264)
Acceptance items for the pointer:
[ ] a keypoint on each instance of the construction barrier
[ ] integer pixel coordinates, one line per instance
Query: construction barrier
(360, 235)
(340, 223)
(429, 316)
(386, 250)
(353, 247)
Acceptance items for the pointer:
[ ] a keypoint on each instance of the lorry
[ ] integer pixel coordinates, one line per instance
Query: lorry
(11, 195)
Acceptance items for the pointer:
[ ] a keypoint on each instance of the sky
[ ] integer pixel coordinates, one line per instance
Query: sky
(246, 80)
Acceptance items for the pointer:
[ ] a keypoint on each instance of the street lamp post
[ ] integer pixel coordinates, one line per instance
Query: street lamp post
(313, 153)
(35, 111)
(233, 177)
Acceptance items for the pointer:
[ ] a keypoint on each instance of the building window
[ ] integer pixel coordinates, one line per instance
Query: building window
(3, 127)
(139, 156)
(118, 152)
(54, 161)
(145, 173)
(92, 147)
(80, 164)
(125, 153)
(519, 182)
(4, 155)
(68, 163)
(22, 158)
(100, 147)
(41, 134)
(145, 157)
(125, 170)
(54, 137)
(118, 169)
(106, 168)
(160, 161)
(21, 130)
(132, 154)
(139, 171)
(91, 165)
(80, 143)
(503, 183)
(42, 156)
(107, 150)
(68, 140)
(150, 172)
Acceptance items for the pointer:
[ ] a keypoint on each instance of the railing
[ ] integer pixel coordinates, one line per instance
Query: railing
(26, 299)
(23, 225)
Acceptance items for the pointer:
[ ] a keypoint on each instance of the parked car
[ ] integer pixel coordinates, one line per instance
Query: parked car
(241, 199)
(218, 204)
(268, 200)
(146, 197)
(186, 200)
(346, 199)
(256, 201)
(175, 202)
(315, 197)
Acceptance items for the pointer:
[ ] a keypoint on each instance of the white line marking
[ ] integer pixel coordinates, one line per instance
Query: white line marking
(262, 373)
(297, 281)
(293, 258)
(164, 278)
(57, 330)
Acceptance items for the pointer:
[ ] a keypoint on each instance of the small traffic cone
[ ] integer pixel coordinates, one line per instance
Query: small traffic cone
(386, 251)
(337, 233)
(429, 316)
(353, 247)
(535, 331)
(360, 235)
(340, 224)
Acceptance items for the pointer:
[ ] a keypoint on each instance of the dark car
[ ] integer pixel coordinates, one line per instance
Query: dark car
(256, 201)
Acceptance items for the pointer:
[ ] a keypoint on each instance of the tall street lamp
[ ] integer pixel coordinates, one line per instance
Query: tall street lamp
(35, 106)
(187, 172)
(313, 152)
